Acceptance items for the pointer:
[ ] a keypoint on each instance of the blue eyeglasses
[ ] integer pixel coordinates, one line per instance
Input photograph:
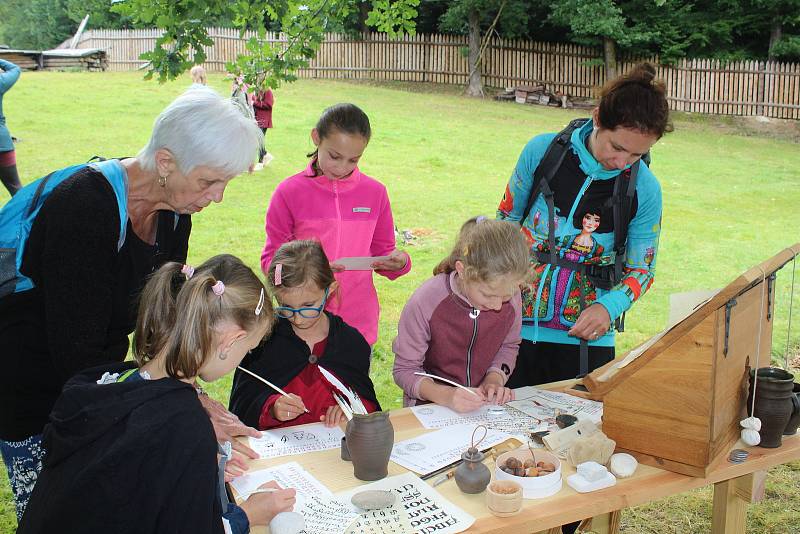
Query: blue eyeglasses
(286, 312)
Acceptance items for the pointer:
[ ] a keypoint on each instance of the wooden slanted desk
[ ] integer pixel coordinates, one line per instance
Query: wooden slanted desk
(733, 488)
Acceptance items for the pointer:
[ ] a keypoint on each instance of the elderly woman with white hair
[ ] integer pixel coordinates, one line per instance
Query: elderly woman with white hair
(97, 236)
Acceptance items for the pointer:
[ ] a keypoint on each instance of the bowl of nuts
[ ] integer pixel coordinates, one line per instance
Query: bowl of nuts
(538, 472)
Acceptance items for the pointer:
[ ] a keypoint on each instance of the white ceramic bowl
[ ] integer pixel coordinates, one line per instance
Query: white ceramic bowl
(532, 487)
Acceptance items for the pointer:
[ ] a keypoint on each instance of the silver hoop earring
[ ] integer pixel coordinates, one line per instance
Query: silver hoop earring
(223, 355)
(162, 181)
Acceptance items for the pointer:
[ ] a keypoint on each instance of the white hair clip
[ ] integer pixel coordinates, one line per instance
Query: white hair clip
(218, 288)
(260, 305)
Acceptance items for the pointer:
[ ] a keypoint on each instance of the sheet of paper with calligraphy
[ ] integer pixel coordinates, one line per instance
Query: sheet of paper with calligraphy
(297, 440)
(392, 520)
(326, 515)
(425, 510)
(323, 513)
(501, 418)
(289, 475)
(544, 406)
(426, 453)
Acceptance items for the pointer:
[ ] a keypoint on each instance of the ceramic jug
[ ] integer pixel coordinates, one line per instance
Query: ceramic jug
(773, 405)
(370, 439)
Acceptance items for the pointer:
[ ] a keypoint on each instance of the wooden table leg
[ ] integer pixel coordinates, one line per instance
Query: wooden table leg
(602, 524)
(731, 497)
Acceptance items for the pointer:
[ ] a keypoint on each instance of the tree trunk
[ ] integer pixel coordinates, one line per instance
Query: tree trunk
(475, 87)
(774, 36)
(363, 13)
(610, 58)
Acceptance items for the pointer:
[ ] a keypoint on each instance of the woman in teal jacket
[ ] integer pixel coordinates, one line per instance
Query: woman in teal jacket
(9, 74)
(575, 293)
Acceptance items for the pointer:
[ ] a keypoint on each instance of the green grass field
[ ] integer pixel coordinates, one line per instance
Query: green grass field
(729, 203)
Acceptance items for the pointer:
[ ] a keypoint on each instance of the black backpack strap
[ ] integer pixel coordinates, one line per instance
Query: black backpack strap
(551, 162)
(624, 191)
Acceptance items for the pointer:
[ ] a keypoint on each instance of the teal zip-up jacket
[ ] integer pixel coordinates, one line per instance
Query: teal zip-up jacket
(584, 234)
(8, 77)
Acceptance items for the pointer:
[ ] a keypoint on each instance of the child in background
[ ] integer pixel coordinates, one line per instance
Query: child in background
(304, 338)
(130, 449)
(464, 323)
(262, 102)
(347, 211)
(198, 75)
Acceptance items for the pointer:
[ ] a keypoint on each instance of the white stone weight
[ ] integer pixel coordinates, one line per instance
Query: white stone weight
(287, 523)
(622, 464)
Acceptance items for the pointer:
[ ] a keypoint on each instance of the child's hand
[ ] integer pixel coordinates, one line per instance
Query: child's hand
(496, 394)
(235, 466)
(333, 417)
(262, 507)
(288, 408)
(337, 267)
(396, 261)
(463, 401)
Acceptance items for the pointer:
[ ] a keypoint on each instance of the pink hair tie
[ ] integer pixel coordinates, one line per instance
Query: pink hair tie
(480, 218)
(187, 270)
(278, 273)
(218, 288)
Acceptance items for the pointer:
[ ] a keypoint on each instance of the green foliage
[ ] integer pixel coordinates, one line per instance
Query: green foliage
(787, 49)
(43, 24)
(394, 17)
(513, 21)
(264, 64)
(591, 20)
(34, 24)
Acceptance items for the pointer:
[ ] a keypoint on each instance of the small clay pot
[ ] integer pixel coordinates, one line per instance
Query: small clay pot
(774, 405)
(504, 498)
(370, 439)
(794, 421)
(472, 476)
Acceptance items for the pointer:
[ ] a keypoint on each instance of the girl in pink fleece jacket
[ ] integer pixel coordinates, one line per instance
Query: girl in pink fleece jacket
(332, 202)
(464, 323)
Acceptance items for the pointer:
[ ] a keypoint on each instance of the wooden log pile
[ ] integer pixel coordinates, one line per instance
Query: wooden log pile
(24, 59)
(540, 95)
(94, 61)
(89, 60)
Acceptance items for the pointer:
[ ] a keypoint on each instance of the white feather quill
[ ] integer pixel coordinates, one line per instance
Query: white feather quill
(352, 397)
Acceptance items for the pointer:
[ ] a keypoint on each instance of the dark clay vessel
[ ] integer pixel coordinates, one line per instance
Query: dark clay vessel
(774, 403)
(794, 422)
(472, 476)
(369, 441)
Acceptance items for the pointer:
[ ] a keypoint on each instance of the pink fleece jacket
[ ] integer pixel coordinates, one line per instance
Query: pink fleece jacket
(441, 333)
(350, 217)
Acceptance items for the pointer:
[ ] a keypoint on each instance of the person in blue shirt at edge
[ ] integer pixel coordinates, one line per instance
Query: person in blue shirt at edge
(580, 281)
(9, 74)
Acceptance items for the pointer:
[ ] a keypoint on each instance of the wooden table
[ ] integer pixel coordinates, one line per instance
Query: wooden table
(734, 487)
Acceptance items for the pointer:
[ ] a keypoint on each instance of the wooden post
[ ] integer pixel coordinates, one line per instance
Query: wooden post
(729, 514)
(602, 524)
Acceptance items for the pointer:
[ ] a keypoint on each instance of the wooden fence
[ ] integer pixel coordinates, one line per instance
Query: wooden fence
(705, 86)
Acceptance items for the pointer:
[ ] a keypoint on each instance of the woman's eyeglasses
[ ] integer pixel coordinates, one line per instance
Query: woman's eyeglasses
(286, 312)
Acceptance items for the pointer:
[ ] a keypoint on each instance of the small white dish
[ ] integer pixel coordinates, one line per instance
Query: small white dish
(581, 485)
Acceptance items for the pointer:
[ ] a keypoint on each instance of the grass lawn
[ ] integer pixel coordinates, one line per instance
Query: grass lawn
(729, 202)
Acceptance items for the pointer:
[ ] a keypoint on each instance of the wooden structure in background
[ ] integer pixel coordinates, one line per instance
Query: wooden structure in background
(90, 59)
(678, 404)
(765, 88)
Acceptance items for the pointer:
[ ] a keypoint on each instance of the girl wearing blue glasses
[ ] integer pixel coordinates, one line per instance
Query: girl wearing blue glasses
(304, 338)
